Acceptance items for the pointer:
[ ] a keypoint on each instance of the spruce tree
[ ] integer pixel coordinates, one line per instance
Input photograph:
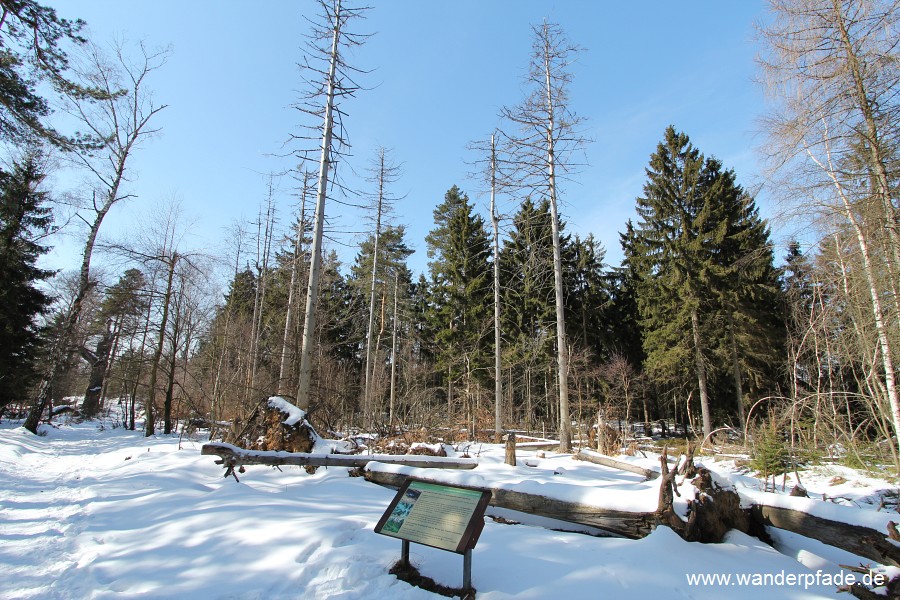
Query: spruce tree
(707, 289)
(620, 314)
(527, 278)
(671, 298)
(528, 314)
(460, 291)
(745, 282)
(586, 295)
(23, 220)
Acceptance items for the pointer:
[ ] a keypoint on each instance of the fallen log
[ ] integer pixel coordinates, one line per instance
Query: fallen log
(232, 456)
(608, 461)
(859, 540)
(633, 525)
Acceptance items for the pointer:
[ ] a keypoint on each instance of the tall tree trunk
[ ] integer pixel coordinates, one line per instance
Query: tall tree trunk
(887, 359)
(261, 288)
(91, 403)
(61, 346)
(289, 312)
(562, 350)
(736, 373)
(149, 422)
(700, 369)
(312, 291)
(393, 395)
(369, 382)
(498, 373)
(173, 361)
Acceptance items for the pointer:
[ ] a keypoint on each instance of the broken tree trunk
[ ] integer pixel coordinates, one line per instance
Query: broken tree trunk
(233, 456)
(632, 525)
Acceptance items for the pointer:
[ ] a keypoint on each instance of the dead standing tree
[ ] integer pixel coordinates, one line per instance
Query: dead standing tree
(382, 172)
(548, 137)
(325, 61)
(493, 169)
(299, 234)
(120, 118)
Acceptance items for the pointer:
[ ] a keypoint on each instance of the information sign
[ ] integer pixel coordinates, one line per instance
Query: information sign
(442, 516)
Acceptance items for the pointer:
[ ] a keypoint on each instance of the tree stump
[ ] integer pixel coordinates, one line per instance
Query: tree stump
(511, 449)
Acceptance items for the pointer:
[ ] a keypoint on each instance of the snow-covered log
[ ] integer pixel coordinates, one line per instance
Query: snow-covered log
(859, 540)
(234, 456)
(608, 461)
(632, 525)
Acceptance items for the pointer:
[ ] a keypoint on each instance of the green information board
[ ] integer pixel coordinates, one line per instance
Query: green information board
(442, 516)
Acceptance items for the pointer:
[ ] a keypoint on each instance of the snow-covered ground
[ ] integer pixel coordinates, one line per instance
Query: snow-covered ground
(101, 513)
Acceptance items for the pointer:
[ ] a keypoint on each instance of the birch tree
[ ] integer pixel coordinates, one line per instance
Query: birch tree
(122, 119)
(833, 71)
(330, 80)
(548, 136)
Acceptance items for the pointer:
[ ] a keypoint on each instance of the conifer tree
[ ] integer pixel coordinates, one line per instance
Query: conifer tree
(671, 297)
(122, 304)
(707, 290)
(23, 220)
(525, 263)
(460, 290)
(620, 313)
(34, 41)
(377, 283)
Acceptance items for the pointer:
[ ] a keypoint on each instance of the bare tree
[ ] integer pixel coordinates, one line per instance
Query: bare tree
(326, 43)
(122, 119)
(549, 135)
(833, 69)
(382, 172)
(297, 255)
(493, 171)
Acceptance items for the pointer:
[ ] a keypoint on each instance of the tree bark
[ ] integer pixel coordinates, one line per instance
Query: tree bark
(90, 406)
(498, 373)
(312, 291)
(149, 417)
(700, 369)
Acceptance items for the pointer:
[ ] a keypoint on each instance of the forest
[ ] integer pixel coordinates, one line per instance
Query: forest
(701, 331)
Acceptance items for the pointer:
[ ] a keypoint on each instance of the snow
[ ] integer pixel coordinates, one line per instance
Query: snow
(749, 489)
(102, 513)
(294, 414)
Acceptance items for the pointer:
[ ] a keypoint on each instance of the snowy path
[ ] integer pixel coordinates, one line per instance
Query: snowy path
(94, 515)
(41, 514)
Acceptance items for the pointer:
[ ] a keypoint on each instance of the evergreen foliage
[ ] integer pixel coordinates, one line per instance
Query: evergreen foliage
(460, 286)
(707, 291)
(24, 218)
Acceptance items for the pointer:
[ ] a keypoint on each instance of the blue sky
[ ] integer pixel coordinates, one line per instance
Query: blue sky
(441, 71)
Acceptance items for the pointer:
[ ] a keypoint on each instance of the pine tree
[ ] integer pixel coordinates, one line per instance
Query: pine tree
(33, 50)
(23, 220)
(122, 305)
